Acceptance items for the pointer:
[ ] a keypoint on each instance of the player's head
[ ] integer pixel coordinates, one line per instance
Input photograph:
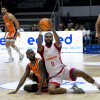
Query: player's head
(30, 55)
(48, 38)
(4, 9)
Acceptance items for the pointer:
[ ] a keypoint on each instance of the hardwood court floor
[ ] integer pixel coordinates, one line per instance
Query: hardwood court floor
(12, 72)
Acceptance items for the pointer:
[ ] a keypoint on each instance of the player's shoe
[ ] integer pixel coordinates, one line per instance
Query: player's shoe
(10, 60)
(77, 89)
(21, 58)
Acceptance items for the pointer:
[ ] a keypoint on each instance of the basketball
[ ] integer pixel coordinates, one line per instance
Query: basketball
(44, 24)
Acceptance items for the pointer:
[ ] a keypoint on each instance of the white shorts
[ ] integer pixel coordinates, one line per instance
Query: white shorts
(66, 74)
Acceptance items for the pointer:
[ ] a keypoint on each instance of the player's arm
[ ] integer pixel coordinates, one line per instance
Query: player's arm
(6, 30)
(57, 39)
(42, 74)
(97, 25)
(12, 18)
(22, 80)
(39, 43)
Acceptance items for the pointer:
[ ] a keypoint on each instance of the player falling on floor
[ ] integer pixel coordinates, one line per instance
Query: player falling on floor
(11, 25)
(57, 71)
(38, 75)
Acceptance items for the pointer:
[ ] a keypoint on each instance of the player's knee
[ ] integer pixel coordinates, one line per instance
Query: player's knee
(12, 45)
(78, 73)
(25, 88)
(51, 91)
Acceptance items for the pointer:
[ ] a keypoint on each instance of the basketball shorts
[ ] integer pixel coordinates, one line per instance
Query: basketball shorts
(11, 36)
(66, 74)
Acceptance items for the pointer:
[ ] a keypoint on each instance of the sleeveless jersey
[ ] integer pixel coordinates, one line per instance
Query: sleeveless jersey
(36, 71)
(10, 25)
(52, 57)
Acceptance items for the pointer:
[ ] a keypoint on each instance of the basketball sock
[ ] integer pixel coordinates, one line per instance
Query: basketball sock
(16, 48)
(9, 52)
(69, 91)
(96, 84)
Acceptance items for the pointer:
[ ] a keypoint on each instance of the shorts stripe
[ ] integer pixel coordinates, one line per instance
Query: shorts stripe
(71, 74)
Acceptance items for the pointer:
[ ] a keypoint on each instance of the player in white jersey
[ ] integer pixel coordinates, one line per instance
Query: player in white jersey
(57, 71)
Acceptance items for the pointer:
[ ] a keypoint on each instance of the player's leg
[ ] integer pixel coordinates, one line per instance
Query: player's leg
(9, 50)
(85, 76)
(12, 43)
(13, 39)
(54, 86)
(52, 89)
(32, 87)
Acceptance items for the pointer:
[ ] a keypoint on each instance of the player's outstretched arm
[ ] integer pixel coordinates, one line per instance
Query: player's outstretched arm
(22, 80)
(43, 76)
(39, 43)
(57, 39)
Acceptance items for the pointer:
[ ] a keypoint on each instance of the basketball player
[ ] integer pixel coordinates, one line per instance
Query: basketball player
(98, 29)
(38, 75)
(11, 25)
(57, 71)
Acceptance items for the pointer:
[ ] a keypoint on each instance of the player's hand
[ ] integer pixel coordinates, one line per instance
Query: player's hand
(96, 35)
(13, 92)
(18, 34)
(51, 24)
(38, 92)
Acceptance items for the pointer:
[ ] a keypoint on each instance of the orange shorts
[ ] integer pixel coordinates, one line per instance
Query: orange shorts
(12, 35)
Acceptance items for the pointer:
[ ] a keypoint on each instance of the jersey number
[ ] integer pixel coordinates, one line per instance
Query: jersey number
(53, 64)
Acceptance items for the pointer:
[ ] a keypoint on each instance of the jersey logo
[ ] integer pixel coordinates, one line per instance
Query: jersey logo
(51, 58)
(49, 55)
(35, 69)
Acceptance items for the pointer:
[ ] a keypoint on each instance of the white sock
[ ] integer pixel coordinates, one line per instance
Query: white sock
(69, 91)
(96, 84)
(16, 48)
(9, 52)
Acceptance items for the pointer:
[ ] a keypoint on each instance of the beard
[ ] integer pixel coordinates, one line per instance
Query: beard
(32, 58)
(48, 44)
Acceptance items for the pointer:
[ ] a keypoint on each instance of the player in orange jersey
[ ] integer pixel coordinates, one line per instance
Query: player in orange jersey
(38, 75)
(11, 25)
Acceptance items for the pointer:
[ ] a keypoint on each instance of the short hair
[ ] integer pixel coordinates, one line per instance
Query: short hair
(28, 51)
(4, 6)
(48, 33)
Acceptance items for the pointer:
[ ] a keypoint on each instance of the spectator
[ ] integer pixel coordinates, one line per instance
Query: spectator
(69, 27)
(85, 33)
(67, 19)
(76, 27)
(60, 27)
(72, 24)
(34, 27)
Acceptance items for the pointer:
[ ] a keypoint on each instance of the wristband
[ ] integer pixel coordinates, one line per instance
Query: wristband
(40, 33)
(18, 30)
